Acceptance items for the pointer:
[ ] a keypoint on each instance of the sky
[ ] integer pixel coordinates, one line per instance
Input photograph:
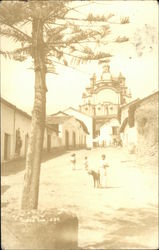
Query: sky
(136, 59)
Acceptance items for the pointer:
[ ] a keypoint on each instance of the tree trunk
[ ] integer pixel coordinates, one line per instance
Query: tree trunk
(34, 152)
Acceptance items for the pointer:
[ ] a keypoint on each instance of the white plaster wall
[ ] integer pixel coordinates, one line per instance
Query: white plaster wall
(132, 135)
(72, 125)
(106, 134)
(129, 136)
(106, 131)
(55, 140)
(11, 120)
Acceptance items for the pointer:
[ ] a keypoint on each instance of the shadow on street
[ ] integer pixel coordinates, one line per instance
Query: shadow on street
(17, 165)
(130, 224)
(4, 188)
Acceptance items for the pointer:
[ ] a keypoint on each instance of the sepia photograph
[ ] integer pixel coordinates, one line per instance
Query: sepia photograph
(79, 124)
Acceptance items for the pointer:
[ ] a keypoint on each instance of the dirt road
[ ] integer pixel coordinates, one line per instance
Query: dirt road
(123, 215)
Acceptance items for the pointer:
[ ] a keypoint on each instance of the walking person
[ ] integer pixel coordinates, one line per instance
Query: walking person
(73, 161)
(103, 171)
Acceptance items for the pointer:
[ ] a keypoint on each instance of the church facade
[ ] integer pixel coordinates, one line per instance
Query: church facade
(102, 100)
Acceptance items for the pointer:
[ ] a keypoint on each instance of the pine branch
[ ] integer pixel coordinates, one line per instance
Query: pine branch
(13, 13)
(12, 33)
(54, 34)
(80, 24)
(57, 13)
(102, 20)
(69, 66)
(92, 18)
(16, 30)
(55, 53)
(122, 39)
(90, 56)
(98, 41)
(20, 54)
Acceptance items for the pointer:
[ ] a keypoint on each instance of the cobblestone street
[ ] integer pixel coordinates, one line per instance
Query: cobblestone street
(123, 215)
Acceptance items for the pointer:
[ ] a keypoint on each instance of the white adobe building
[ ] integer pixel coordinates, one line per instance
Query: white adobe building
(86, 119)
(72, 131)
(15, 121)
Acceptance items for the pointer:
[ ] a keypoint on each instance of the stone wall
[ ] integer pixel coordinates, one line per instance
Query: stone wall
(146, 120)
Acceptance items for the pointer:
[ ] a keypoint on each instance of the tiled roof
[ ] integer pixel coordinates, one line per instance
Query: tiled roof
(57, 120)
(77, 111)
(60, 117)
(59, 113)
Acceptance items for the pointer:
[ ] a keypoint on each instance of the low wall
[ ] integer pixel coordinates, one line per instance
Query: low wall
(39, 230)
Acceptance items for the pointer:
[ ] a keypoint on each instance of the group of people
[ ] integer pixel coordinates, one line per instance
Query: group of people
(101, 171)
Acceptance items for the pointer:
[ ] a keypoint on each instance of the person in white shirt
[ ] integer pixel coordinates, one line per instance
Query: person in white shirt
(103, 171)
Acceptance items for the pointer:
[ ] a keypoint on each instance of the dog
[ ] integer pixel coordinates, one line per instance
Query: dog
(96, 178)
